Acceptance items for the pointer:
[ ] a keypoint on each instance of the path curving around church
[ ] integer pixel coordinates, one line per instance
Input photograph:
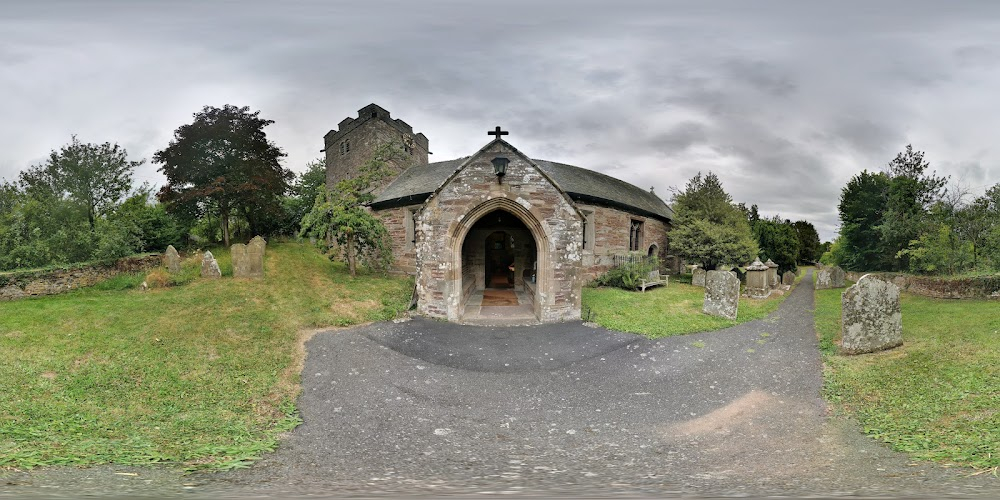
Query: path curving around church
(431, 408)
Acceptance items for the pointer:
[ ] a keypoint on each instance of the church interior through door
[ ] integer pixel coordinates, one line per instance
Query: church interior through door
(499, 260)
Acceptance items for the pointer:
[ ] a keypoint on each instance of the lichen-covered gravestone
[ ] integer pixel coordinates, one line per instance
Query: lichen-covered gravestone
(772, 273)
(871, 316)
(838, 278)
(823, 279)
(210, 267)
(255, 251)
(788, 278)
(698, 277)
(172, 260)
(757, 286)
(722, 294)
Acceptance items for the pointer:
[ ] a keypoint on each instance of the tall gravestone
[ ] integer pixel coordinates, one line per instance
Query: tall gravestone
(757, 286)
(172, 260)
(788, 278)
(698, 277)
(772, 273)
(722, 294)
(255, 251)
(823, 280)
(838, 278)
(210, 267)
(871, 316)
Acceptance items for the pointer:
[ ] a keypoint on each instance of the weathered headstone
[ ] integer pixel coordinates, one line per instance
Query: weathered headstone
(871, 316)
(788, 278)
(757, 286)
(248, 260)
(698, 277)
(210, 267)
(722, 294)
(172, 260)
(772, 273)
(823, 279)
(837, 277)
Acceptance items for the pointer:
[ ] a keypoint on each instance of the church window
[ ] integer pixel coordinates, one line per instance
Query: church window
(635, 235)
(410, 215)
(588, 229)
(347, 146)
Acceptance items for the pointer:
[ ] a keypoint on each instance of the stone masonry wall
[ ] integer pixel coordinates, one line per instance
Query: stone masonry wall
(404, 252)
(16, 285)
(365, 134)
(982, 287)
(525, 192)
(611, 237)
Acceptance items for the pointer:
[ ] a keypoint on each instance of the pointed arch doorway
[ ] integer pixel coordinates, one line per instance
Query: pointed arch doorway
(500, 273)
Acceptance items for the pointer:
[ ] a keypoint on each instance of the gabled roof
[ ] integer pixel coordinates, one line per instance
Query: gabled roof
(416, 183)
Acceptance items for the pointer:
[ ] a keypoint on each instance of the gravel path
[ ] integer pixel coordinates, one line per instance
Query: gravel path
(430, 408)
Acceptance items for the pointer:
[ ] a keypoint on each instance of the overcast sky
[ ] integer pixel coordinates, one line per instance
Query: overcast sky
(785, 101)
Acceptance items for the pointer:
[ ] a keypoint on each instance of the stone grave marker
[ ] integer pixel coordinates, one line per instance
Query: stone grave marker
(255, 251)
(772, 273)
(823, 279)
(172, 260)
(722, 294)
(210, 267)
(757, 286)
(837, 277)
(871, 316)
(788, 278)
(698, 277)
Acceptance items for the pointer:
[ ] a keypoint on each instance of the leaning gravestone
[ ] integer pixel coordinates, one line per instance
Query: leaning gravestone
(698, 277)
(722, 294)
(172, 260)
(837, 277)
(788, 278)
(210, 267)
(823, 279)
(871, 316)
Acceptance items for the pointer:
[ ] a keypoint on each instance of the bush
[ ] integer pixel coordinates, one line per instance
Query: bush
(628, 275)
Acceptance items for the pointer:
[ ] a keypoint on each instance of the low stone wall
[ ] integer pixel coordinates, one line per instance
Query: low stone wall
(980, 287)
(19, 284)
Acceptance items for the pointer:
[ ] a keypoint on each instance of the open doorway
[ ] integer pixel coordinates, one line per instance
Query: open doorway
(499, 261)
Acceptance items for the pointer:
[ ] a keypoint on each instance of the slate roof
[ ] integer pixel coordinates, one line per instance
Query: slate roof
(417, 183)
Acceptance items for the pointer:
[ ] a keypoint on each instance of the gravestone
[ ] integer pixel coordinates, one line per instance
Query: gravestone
(722, 294)
(772, 273)
(823, 279)
(248, 260)
(871, 316)
(172, 260)
(757, 286)
(210, 267)
(788, 278)
(837, 277)
(698, 277)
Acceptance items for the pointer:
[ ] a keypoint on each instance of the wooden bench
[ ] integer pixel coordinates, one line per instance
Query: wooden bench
(653, 279)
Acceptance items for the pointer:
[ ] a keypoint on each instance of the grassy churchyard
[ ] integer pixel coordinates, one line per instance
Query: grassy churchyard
(204, 374)
(937, 397)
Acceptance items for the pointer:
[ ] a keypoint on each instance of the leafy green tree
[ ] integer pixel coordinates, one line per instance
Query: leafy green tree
(302, 195)
(98, 176)
(862, 205)
(709, 229)
(909, 196)
(341, 215)
(778, 241)
(809, 245)
(222, 163)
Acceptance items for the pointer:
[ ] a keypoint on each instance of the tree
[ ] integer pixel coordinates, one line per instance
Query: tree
(98, 176)
(304, 190)
(223, 163)
(341, 214)
(861, 208)
(809, 245)
(709, 228)
(778, 241)
(910, 193)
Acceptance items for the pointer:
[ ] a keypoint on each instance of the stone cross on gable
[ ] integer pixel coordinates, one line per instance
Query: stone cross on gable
(497, 132)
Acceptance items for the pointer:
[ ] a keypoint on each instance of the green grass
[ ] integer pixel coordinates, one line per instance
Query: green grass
(666, 311)
(938, 396)
(204, 374)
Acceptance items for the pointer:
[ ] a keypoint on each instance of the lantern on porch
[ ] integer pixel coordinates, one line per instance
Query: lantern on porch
(500, 167)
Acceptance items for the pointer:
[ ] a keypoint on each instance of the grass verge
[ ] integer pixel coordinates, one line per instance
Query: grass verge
(938, 396)
(202, 374)
(675, 309)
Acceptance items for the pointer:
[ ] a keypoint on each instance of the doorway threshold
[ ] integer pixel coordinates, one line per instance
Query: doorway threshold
(478, 313)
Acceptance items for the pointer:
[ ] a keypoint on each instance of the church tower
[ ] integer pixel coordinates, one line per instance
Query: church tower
(352, 145)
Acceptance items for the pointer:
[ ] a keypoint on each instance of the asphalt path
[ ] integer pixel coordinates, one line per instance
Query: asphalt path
(431, 408)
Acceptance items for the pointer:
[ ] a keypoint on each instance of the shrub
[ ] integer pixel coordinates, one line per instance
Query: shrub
(628, 275)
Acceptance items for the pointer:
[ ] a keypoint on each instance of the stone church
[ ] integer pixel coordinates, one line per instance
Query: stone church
(498, 236)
